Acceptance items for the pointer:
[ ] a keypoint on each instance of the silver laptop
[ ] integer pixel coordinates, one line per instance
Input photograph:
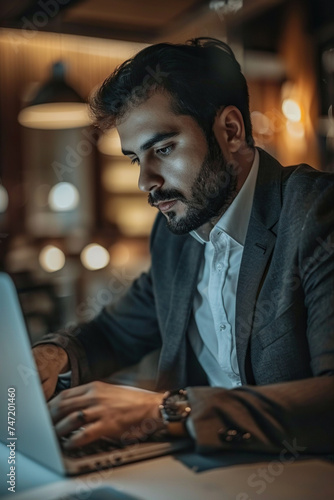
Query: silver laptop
(24, 409)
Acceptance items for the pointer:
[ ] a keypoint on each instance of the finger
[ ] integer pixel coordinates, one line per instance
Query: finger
(77, 419)
(64, 408)
(69, 394)
(68, 424)
(85, 435)
(67, 401)
(75, 391)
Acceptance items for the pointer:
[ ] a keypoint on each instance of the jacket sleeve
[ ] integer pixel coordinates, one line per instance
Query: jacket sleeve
(301, 412)
(265, 418)
(120, 336)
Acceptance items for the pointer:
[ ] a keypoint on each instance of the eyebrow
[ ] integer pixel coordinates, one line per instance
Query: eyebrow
(151, 142)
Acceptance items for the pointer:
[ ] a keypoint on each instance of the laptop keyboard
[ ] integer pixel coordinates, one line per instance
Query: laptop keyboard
(106, 445)
(100, 446)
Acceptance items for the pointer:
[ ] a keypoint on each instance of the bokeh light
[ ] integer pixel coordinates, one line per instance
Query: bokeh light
(51, 259)
(291, 110)
(94, 257)
(63, 197)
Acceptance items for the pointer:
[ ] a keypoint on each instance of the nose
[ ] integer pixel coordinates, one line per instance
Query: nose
(149, 179)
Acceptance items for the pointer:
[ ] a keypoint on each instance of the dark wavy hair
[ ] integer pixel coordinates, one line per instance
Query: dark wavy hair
(201, 77)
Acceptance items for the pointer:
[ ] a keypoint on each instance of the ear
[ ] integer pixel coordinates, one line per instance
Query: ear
(229, 129)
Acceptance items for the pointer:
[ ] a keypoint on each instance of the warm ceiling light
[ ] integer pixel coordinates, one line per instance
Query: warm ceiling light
(291, 110)
(51, 259)
(56, 105)
(63, 197)
(55, 116)
(94, 257)
(3, 199)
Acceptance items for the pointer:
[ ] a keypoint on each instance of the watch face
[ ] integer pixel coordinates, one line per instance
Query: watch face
(175, 401)
(176, 406)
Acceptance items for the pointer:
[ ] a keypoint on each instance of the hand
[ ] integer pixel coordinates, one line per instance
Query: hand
(50, 360)
(99, 409)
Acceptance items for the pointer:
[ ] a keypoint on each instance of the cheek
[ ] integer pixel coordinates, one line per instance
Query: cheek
(182, 172)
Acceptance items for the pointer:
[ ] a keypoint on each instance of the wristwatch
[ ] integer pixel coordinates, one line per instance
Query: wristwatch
(175, 410)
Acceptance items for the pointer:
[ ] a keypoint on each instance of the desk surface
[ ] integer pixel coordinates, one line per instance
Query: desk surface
(179, 477)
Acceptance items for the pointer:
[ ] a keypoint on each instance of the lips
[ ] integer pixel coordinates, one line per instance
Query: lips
(165, 206)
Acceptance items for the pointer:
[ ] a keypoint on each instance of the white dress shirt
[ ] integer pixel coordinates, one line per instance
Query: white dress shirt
(212, 327)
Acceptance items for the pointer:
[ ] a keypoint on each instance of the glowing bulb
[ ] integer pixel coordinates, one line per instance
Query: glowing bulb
(291, 110)
(63, 197)
(3, 199)
(51, 259)
(94, 257)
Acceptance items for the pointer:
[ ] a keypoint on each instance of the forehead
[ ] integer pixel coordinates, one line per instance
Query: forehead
(153, 116)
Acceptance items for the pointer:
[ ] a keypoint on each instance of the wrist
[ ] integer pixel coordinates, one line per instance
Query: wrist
(54, 354)
(175, 410)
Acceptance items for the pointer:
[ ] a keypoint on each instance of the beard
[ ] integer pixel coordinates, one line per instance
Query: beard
(212, 192)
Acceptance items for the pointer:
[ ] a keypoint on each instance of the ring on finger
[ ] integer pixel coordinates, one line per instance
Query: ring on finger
(81, 417)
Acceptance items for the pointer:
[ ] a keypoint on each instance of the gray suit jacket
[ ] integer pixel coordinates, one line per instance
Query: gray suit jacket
(284, 321)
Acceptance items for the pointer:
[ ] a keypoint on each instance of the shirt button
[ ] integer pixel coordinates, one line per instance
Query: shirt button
(219, 268)
(222, 327)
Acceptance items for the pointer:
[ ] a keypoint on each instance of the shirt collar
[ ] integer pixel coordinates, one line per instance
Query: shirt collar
(235, 220)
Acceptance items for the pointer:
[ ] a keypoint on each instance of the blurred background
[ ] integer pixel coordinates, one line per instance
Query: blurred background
(74, 227)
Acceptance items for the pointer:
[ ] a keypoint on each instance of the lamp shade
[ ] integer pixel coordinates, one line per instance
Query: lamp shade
(56, 105)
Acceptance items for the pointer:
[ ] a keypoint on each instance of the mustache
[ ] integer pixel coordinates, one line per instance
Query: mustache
(165, 195)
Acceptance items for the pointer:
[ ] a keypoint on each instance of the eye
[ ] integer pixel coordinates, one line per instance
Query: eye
(165, 151)
(135, 160)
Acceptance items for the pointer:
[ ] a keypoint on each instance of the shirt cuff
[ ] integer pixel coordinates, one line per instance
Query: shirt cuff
(64, 381)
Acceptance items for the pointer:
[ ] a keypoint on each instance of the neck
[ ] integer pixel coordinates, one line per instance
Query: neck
(243, 162)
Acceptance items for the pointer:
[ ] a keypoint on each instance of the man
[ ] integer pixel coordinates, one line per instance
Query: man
(239, 298)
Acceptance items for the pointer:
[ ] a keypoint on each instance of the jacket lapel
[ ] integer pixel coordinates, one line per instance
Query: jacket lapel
(172, 366)
(259, 245)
